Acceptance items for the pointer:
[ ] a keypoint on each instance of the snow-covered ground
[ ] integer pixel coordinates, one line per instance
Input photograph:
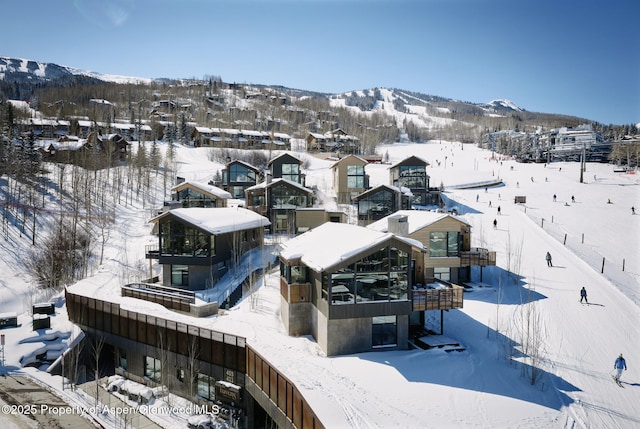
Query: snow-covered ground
(487, 384)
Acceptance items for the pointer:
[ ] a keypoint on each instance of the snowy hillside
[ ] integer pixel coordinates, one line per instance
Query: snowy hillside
(22, 70)
(488, 385)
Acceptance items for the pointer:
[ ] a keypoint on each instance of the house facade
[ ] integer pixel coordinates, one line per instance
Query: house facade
(195, 194)
(349, 178)
(237, 176)
(309, 218)
(286, 166)
(412, 173)
(380, 201)
(197, 246)
(333, 141)
(278, 200)
(449, 255)
(347, 286)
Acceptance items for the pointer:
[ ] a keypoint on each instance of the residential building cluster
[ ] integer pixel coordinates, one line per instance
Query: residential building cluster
(559, 144)
(354, 284)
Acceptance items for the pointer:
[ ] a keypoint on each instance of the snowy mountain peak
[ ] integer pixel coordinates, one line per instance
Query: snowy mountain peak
(503, 104)
(23, 70)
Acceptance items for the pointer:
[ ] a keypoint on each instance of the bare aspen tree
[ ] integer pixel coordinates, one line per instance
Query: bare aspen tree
(96, 351)
(193, 356)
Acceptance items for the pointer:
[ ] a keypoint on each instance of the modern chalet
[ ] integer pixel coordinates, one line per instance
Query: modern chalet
(196, 246)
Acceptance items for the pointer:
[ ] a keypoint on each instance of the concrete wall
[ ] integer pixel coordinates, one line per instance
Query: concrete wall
(297, 317)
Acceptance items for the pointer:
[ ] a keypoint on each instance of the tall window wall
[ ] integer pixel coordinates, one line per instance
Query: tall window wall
(192, 198)
(413, 177)
(291, 172)
(379, 276)
(287, 197)
(355, 176)
(377, 205)
(444, 244)
(241, 174)
(178, 239)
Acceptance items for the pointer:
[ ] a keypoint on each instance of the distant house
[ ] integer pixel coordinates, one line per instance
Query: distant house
(349, 178)
(347, 286)
(448, 239)
(116, 146)
(412, 173)
(196, 246)
(195, 194)
(380, 201)
(96, 151)
(201, 136)
(333, 141)
(237, 176)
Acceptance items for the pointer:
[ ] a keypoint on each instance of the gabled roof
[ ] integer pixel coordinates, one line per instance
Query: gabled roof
(417, 220)
(405, 191)
(246, 164)
(279, 181)
(412, 160)
(282, 156)
(332, 243)
(210, 190)
(351, 158)
(217, 220)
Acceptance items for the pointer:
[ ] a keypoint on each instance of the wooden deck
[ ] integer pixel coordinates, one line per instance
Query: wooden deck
(438, 296)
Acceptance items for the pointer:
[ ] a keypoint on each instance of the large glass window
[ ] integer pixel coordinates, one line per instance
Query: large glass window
(192, 198)
(298, 274)
(178, 239)
(444, 244)
(384, 331)
(413, 176)
(342, 283)
(206, 386)
(241, 174)
(442, 273)
(179, 275)
(287, 197)
(355, 176)
(291, 172)
(379, 276)
(377, 205)
(153, 368)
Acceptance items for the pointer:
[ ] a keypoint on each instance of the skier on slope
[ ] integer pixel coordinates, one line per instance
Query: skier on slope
(583, 295)
(619, 365)
(548, 258)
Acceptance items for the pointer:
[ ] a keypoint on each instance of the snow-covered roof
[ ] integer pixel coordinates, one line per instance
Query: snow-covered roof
(266, 184)
(403, 190)
(204, 187)
(218, 220)
(349, 157)
(417, 219)
(331, 243)
(406, 159)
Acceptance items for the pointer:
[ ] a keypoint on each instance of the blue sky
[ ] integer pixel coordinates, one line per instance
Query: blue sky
(556, 56)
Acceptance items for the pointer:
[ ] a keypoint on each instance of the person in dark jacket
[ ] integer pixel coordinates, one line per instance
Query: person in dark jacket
(548, 258)
(583, 295)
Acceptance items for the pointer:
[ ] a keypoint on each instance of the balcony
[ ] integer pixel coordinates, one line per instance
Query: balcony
(477, 256)
(152, 251)
(437, 295)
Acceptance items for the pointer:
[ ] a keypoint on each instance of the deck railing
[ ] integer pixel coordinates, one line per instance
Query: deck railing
(477, 256)
(438, 295)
